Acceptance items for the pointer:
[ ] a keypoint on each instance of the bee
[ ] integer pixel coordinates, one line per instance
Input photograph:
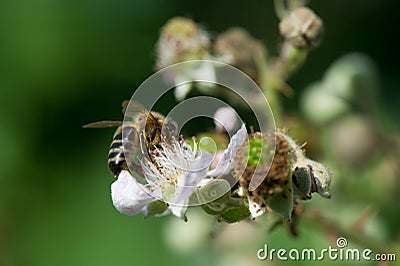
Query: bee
(143, 132)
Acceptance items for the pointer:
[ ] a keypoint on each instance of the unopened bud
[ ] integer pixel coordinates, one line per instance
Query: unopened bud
(237, 47)
(181, 39)
(302, 28)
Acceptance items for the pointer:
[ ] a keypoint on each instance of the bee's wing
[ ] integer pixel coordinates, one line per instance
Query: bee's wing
(170, 130)
(124, 105)
(135, 156)
(132, 134)
(135, 112)
(135, 119)
(103, 124)
(133, 146)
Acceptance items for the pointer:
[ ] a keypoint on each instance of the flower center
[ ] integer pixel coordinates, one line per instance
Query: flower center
(168, 163)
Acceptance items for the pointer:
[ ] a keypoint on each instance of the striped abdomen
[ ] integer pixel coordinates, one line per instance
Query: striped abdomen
(122, 149)
(116, 156)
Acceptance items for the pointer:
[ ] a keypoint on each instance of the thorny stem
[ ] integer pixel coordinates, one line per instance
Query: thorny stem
(269, 90)
(316, 218)
(283, 7)
(293, 4)
(290, 60)
(274, 73)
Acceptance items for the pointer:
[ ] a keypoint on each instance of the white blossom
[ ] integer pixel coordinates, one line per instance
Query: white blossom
(202, 71)
(226, 162)
(172, 176)
(129, 196)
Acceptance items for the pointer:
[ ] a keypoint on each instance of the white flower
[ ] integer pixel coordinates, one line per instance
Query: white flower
(203, 71)
(172, 176)
(129, 196)
(226, 162)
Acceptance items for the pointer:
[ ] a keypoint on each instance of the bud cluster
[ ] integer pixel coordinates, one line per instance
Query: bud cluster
(291, 175)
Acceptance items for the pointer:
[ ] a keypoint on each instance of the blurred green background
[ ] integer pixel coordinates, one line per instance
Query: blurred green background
(67, 63)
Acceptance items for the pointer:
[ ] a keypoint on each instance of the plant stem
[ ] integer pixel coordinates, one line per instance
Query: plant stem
(280, 8)
(268, 87)
(316, 218)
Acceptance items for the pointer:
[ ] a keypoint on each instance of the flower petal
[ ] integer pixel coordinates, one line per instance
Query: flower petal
(255, 208)
(226, 163)
(226, 119)
(182, 90)
(128, 196)
(179, 210)
(197, 172)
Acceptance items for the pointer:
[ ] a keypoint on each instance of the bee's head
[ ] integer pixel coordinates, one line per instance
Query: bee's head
(152, 134)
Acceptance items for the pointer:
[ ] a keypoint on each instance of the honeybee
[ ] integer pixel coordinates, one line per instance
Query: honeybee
(143, 132)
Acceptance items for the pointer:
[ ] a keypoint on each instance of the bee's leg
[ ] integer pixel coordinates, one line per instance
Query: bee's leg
(143, 147)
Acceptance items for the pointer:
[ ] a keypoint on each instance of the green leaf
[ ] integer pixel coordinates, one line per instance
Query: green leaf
(282, 203)
(214, 208)
(236, 214)
(155, 208)
(215, 200)
(217, 189)
(221, 205)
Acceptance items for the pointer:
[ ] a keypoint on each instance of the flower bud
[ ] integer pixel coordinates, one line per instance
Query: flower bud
(181, 39)
(237, 47)
(302, 28)
(249, 157)
(290, 175)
